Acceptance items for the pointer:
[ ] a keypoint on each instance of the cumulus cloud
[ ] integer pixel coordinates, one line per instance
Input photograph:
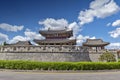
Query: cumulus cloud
(53, 24)
(28, 36)
(3, 38)
(115, 33)
(98, 9)
(81, 39)
(116, 23)
(17, 38)
(8, 27)
(114, 45)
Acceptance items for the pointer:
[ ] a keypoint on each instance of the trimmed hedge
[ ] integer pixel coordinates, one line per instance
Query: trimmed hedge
(32, 65)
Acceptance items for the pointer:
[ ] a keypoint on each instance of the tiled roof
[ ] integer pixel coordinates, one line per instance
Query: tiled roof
(54, 31)
(26, 43)
(55, 41)
(95, 42)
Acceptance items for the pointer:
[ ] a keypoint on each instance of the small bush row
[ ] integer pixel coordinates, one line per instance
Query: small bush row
(32, 65)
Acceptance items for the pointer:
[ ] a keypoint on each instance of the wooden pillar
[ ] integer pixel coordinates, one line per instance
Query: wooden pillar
(102, 47)
(96, 49)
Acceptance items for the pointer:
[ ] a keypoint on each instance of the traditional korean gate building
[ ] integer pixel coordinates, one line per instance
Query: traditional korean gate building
(56, 37)
(57, 46)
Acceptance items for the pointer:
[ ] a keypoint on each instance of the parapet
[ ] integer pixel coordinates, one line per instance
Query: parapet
(43, 48)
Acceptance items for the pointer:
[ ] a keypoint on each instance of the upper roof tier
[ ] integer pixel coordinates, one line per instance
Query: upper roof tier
(95, 42)
(56, 33)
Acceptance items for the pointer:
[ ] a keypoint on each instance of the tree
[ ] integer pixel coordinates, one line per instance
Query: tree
(107, 57)
(4, 43)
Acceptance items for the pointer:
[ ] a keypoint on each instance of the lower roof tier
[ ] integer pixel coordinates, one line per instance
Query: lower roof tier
(56, 42)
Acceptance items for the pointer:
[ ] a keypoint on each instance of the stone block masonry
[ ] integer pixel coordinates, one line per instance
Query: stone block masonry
(44, 53)
(46, 56)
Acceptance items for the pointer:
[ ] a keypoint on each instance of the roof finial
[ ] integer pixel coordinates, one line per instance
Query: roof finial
(48, 28)
(65, 27)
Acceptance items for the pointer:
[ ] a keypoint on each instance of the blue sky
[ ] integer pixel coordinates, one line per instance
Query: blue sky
(22, 19)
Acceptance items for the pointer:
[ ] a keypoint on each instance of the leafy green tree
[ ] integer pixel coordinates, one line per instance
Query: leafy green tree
(4, 43)
(107, 57)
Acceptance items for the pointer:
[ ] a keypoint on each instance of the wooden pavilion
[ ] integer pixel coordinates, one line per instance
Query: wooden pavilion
(56, 37)
(97, 44)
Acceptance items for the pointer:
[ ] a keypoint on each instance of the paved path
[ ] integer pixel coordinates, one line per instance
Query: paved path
(59, 76)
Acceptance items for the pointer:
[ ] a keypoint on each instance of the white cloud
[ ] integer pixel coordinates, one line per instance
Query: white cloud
(54, 24)
(3, 37)
(115, 33)
(108, 24)
(8, 27)
(32, 35)
(116, 23)
(17, 38)
(98, 9)
(29, 35)
(81, 39)
(114, 46)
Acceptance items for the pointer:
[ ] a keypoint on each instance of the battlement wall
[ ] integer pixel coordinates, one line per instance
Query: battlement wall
(51, 53)
(43, 49)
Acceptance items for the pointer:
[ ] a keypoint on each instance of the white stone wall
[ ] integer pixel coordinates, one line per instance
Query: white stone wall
(51, 57)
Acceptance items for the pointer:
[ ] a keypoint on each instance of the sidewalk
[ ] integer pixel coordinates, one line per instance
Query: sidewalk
(58, 71)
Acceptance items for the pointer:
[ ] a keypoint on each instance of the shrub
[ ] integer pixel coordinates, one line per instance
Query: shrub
(32, 65)
(107, 57)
